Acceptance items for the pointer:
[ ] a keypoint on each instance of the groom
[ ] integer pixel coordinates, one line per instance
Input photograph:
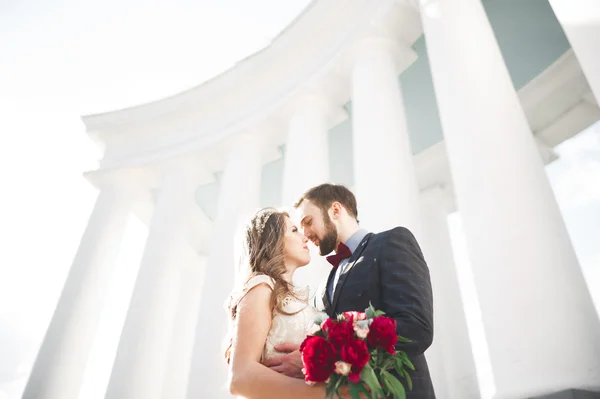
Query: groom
(386, 269)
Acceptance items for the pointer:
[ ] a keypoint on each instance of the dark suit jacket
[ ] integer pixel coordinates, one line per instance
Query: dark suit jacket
(388, 270)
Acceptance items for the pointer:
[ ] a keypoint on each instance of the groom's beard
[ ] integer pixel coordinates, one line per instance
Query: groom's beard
(327, 243)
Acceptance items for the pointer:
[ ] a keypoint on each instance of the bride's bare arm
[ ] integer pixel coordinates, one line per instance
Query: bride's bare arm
(248, 377)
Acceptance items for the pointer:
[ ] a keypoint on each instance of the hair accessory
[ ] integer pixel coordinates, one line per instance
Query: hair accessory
(261, 219)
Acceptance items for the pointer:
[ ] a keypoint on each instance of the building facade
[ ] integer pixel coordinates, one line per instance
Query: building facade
(422, 107)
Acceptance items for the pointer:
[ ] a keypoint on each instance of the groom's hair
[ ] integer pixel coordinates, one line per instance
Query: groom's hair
(326, 194)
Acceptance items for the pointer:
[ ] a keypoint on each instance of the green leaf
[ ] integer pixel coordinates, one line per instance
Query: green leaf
(387, 388)
(395, 387)
(368, 376)
(399, 366)
(401, 392)
(320, 318)
(338, 382)
(355, 391)
(328, 390)
(364, 390)
(402, 339)
(388, 361)
(408, 379)
(370, 312)
(363, 323)
(404, 358)
(320, 333)
(379, 313)
(332, 385)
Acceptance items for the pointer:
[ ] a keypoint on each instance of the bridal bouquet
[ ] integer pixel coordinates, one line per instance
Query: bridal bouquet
(356, 349)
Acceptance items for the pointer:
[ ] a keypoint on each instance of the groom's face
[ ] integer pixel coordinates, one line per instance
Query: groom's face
(318, 227)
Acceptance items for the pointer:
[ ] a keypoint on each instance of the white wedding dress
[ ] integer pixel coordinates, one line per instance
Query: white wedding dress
(286, 328)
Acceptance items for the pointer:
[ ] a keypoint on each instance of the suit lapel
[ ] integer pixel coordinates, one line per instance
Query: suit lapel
(326, 299)
(348, 269)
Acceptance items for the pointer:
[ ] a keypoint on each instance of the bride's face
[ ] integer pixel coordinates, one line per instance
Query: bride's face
(296, 246)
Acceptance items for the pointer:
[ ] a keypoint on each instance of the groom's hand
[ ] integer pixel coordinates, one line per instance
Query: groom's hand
(290, 364)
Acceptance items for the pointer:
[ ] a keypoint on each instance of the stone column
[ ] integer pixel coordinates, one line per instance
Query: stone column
(143, 351)
(184, 328)
(580, 20)
(306, 149)
(62, 359)
(238, 200)
(541, 327)
(307, 165)
(384, 172)
(450, 357)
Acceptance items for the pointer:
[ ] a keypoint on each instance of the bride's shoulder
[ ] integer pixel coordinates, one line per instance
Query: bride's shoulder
(257, 280)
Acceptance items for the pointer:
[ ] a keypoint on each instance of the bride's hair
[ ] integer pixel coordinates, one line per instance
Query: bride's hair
(264, 248)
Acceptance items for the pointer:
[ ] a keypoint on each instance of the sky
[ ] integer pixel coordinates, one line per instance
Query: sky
(62, 59)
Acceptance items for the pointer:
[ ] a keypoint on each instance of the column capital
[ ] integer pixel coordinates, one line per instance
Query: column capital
(247, 141)
(313, 98)
(189, 165)
(127, 180)
(256, 142)
(259, 139)
(375, 45)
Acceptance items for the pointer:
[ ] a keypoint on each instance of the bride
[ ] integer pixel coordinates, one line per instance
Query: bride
(268, 310)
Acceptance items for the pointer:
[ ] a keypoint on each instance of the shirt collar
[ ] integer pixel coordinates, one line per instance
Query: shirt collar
(355, 239)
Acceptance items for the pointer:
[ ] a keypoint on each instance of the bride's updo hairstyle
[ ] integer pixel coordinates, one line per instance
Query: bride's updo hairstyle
(264, 254)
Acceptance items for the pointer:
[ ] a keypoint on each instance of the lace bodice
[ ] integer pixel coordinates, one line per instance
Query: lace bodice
(286, 328)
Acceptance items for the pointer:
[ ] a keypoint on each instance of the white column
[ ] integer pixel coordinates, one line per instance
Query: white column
(238, 200)
(580, 20)
(306, 149)
(142, 355)
(384, 172)
(307, 165)
(540, 324)
(61, 361)
(184, 328)
(450, 357)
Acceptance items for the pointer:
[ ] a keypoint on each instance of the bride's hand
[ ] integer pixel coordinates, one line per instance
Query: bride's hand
(290, 364)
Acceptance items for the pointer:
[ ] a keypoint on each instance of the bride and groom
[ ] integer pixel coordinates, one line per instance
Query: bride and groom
(270, 317)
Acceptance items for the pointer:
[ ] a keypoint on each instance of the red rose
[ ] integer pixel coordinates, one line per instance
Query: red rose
(355, 353)
(382, 333)
(318, 357)
(354, 378)
(305, 342)
(326, 326)
(339, 333)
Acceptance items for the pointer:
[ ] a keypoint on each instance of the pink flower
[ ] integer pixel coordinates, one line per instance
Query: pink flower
(355, 316)
(342, 368)
(361, 333)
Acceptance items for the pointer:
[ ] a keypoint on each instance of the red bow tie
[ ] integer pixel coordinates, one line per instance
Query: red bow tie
(342, 252)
